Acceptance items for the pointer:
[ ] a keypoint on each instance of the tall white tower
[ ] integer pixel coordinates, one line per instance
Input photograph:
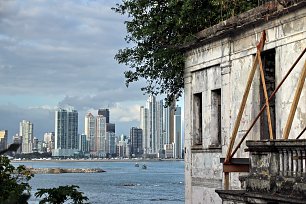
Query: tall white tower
(90, 128)
(159, 125)
(144, 125)
(26, 131)
(152, 134)
(177, 133)
(101, 135)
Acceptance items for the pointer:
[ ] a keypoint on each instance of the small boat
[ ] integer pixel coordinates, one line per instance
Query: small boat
(144, 166)
(136, 165)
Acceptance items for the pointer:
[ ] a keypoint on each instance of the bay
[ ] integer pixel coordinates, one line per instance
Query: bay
(161, 182)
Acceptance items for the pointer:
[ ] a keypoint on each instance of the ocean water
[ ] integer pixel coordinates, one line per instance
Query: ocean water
(122, 183)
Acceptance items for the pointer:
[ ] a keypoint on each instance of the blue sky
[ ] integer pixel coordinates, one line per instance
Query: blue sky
(61, 53)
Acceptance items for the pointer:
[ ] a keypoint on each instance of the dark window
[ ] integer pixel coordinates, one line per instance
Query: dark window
(216, 118)
(197, 119)
(268, 62)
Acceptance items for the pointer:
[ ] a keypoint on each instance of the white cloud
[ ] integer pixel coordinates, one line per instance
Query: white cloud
(63, 50)
(126, 113)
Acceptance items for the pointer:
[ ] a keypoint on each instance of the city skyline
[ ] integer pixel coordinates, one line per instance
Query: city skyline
(159, 126)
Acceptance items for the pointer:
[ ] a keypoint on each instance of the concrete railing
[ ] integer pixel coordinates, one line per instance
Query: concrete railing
(277, 166)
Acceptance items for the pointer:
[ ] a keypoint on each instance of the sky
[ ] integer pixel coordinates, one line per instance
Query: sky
(56, 53)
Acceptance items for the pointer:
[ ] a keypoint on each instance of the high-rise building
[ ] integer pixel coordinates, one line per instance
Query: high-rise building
(49, 140)
(3, 139)
(144, 125)
(110, 143)
(110, 138)
(159, 126)
(90, 131)
(122, 149)
(66, 132)
(152, 135)
(152, 122)
(18, 140)
(73, 139)
(26, 132)
(177, 133)
(136, 141)
(110, 127)
(83, 143)
(169, 124)
(100, 133)
(35, 145)
(105, 113)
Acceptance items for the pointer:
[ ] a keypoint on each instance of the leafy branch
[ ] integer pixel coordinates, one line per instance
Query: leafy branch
(157, 29)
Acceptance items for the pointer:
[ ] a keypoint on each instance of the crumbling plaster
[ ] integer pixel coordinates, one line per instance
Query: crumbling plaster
(225, 63)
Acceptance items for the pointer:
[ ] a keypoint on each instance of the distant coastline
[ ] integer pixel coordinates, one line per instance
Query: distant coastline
(64, 170)
(95, 160)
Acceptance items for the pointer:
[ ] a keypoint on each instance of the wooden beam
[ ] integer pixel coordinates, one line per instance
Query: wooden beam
(295, 102)
(263, 81)
(226, 180)
(236, 168)
(245, 97)
(264, 106)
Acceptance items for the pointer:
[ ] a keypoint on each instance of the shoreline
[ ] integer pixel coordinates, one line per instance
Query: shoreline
(97, 160)
(64, 170)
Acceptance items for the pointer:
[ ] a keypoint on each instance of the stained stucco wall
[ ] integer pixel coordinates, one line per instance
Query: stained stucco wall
(225, 64)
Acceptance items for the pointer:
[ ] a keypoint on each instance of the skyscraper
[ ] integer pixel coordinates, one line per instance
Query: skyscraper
(90, 128)
(159, 126)
(177, 133)
(110, 143)
(169, 123)
(83, 143)
(49, 140)
(136, 141)
(66, 132)
(144, 125)
(3, 139)
(101, 135)
(35, 145)
(73, 139)
(105, 113)
(26, 132)
(110, 138)
(18, 140)
(152, 135)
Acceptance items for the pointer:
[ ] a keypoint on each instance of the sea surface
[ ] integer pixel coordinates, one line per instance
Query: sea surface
(122, 183)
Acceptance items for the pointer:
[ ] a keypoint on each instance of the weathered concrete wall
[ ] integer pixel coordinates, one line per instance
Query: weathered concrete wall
(224, 63)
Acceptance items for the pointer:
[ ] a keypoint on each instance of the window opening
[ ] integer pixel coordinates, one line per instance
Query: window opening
(268, 62)
(197, 118)
(215, 118)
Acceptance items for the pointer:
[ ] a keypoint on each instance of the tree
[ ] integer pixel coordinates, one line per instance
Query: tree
(15, 187)
(61, 194)
(157, 29)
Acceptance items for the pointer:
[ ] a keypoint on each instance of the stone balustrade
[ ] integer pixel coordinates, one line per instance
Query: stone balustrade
(277, 167)
(277, 173)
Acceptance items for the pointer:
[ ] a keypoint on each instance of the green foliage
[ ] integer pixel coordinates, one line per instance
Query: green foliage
(14, 186)
(61, 194)
(157, 29)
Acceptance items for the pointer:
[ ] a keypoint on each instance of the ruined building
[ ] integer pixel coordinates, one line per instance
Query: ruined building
(218, 78)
